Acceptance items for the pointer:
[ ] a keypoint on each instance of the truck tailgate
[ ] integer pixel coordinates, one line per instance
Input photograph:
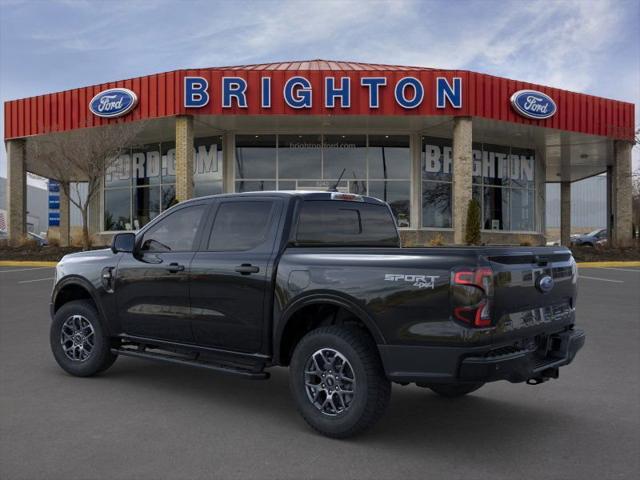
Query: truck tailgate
(535, 292)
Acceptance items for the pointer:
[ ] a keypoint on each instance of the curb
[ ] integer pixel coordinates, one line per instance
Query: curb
(26, 263)
(608, 264)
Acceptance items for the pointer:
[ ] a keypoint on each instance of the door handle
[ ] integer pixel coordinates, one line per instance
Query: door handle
(247, 269)
(175, 267)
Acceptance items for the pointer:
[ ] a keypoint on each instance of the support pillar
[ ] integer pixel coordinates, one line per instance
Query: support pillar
(462, 175)
(65, 215)
(621, 183)
(416, 181)
(565, 213)
(184, 157)
(16, 191)
(228, 162)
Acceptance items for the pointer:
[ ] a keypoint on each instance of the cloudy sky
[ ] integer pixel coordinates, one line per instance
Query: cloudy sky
(583, 45)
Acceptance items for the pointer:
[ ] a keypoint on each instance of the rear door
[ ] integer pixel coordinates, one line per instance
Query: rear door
(231, 274)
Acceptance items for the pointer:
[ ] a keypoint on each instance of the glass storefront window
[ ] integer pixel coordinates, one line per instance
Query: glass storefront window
(117, 209)
(146, 205)
(345, 152)
(255, 185)
(397, 194)
(436, 204)
(255, 156)
(389, 157)
(207, 160)
(118, 174)
(299, 156)
(168, 198)
(146, 165)
(496, 208)
(168, 162)
(521, 209)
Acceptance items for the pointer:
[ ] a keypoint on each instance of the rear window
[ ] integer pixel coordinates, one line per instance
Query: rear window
(336, 223)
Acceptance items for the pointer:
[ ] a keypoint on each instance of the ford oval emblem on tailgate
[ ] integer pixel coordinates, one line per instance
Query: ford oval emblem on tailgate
(544, 283)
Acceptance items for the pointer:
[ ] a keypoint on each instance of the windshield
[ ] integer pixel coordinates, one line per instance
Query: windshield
(594, 233)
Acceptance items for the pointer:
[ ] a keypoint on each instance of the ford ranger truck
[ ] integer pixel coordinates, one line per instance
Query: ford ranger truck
(318, 282)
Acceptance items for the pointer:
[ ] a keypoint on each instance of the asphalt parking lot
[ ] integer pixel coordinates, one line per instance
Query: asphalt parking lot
(147, 420)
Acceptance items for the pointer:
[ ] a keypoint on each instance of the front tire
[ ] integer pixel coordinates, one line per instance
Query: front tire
(78, 340)
(338, 382)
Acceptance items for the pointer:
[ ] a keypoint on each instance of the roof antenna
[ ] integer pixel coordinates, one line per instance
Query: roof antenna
(335, 187)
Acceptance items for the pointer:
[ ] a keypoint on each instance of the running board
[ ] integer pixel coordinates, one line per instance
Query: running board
(229, 370)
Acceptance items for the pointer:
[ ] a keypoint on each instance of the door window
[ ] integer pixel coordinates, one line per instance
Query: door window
(176, 232)
(240, 226)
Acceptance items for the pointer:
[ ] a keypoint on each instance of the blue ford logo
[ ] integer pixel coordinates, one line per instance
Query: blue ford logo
(545, 283)
(533, 104)
(114, 102)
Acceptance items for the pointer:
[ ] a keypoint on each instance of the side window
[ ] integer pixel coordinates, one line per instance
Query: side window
(176, 232)
(240, 226)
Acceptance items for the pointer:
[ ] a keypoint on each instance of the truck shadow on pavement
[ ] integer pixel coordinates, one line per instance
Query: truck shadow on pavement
(416, 418)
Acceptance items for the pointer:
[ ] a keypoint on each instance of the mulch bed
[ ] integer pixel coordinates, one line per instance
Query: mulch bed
(590, 254)
(35, 253)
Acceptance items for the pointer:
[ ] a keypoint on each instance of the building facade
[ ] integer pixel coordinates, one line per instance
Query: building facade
(426, 141)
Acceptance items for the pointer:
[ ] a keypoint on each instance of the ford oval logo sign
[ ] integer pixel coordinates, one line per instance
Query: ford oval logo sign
(545, 283)
(533, 104)
(114, 102)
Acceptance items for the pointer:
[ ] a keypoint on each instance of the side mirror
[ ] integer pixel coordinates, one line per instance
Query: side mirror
(123, 242)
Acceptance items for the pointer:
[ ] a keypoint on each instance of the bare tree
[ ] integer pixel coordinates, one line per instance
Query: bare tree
(84, 156)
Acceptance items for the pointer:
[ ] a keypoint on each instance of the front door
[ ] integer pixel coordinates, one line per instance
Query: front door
(231, 274)
(152, 285)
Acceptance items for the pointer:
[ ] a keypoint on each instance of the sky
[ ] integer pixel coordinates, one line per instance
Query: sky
(589, 46)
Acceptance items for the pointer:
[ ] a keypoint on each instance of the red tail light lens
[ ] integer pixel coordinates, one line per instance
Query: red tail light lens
(477, 282)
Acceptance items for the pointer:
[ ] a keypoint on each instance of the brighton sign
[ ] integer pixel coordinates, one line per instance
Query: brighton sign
(113, 103)
(533, 104)
(298, 93)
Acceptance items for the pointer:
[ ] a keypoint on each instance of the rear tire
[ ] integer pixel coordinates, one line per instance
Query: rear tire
(353, 393)
(453, 390)
(78, 340)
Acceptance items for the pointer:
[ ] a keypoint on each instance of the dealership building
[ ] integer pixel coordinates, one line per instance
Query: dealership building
(425, 140)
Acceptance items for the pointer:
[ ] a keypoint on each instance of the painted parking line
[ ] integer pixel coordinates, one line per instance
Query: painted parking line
(637, 270)
(36, 280)
(24, 269)
(601, 279)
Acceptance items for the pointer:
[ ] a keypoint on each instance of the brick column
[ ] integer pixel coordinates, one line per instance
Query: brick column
(65, 216)
(462, 175)
(184, 157)
(565, 213)
(621, 185)
(16, 191)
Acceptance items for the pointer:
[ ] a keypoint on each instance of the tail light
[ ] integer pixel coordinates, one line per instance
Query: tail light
(472, 296)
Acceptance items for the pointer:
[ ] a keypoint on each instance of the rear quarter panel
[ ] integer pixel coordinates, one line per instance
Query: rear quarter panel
(405, 292)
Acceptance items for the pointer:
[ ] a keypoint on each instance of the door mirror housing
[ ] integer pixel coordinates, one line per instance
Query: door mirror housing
(123, 242)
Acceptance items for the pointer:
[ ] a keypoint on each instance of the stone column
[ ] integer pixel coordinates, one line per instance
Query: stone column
(621, 183)
(462, 158)
(565, 213)
(184, 157)
(16, 191)
(65, 216)
(416, 180)
(228, 162)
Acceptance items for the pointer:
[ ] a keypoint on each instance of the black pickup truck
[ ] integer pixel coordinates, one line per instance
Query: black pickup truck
(316, 281)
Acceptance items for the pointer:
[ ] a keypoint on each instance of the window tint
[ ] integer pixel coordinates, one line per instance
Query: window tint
(345, 223)
(176, 232)
(240, 225)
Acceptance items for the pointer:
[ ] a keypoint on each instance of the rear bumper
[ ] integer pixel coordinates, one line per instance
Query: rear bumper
(422, 364)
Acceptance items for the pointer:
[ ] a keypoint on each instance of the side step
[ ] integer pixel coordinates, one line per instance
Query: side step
(226, 369)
